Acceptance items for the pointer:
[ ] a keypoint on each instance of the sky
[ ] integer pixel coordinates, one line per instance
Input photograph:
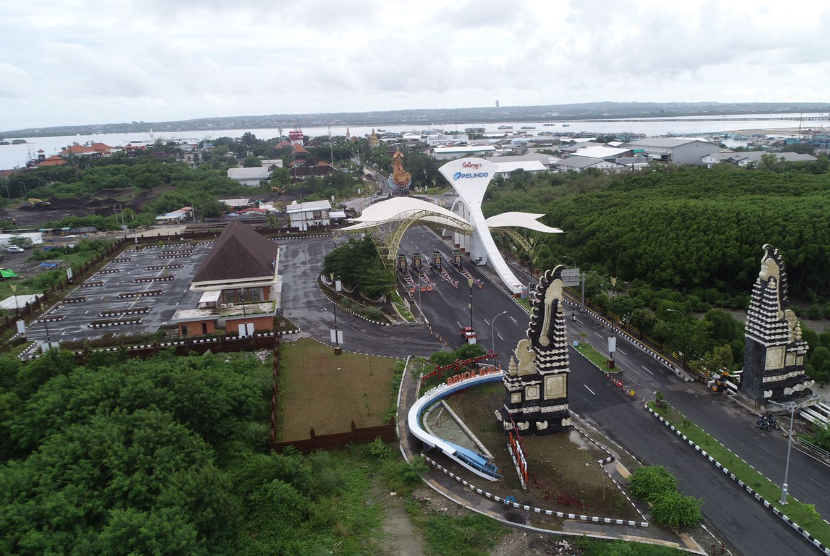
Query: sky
(85, 62)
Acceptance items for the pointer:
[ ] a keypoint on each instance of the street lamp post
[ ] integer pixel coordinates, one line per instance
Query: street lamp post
(470, 281)
(337, 288)
(792, 406)
(492, 334)
(684, 341)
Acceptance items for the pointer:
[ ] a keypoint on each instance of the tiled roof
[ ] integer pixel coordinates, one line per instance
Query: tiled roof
(239, 253)
(54, 160)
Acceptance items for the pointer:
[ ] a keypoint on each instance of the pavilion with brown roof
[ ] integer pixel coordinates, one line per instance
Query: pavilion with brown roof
(240, 282)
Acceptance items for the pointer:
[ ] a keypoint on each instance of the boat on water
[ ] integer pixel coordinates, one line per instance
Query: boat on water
(566, 125)
(505, 127)
(548, 124)
(381, 130)
(528, 127)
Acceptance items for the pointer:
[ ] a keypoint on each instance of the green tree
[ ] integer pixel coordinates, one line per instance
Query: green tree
(649, 483)
(252, 162)
(644, 320)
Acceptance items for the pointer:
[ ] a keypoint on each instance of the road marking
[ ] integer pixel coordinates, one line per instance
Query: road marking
(598, 334)
(621, 351)
(646, 368)
(588, 389)
(514, 320)
(63, 333)
(85, 312)
(499, 335)
(487, 323)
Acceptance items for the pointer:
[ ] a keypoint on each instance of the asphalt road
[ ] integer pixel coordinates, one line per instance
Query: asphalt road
(736, 516)
(300, 264)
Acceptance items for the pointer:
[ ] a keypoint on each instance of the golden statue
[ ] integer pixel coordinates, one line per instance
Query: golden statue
(401, 177)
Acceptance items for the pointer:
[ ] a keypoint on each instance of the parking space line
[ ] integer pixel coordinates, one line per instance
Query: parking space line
(598, 334)
(646, 369)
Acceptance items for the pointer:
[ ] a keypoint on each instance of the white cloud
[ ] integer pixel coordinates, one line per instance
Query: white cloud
(80, 62)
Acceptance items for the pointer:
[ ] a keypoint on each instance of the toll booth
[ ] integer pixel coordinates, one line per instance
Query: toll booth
(436, 260)
(416, 263)
(456, 258)
(402, 263)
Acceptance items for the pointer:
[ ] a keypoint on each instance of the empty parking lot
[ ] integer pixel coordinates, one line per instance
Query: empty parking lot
(135, 293)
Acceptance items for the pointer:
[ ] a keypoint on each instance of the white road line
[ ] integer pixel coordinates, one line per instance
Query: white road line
(499, 335)
(486, 322)
(646, 368)
(85, 312)
(621, 351)
(458, 323)
(514, 320)
(588, 389)
(598, 334)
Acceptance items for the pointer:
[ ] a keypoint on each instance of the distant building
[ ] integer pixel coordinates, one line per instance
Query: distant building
(240, 284)
(236, 204)
(272, 164)
(545, 160)
(303, 215)
(175, 217)
(296, 137)
(249, 176)
(606, 153)
(755, 156)
(448, 153)
(54, 160)
(580, 163)
(673, 149)
(745, 158)
(35, 237)
(509, 166)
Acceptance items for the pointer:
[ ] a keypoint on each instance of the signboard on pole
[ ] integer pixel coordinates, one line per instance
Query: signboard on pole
(612, 345)
(21, 326)
(571, 276)
(338, 339)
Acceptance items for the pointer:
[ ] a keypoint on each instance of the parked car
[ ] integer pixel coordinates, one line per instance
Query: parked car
(14, 249)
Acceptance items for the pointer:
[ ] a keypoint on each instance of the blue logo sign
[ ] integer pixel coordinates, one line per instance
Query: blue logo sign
(459, 176)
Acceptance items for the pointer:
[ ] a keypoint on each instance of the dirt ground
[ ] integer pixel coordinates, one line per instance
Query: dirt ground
(101, 203)
(327, 391)
(564, 472)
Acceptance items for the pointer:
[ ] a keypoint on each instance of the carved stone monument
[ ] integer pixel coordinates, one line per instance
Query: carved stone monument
(774, 357)
(536, 382)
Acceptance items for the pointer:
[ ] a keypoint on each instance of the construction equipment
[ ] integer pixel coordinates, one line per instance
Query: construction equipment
(39, 203)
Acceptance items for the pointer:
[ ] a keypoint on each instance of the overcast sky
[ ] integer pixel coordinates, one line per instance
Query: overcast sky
(79, 62)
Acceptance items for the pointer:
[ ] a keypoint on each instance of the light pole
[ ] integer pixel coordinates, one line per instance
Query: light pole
(492, 324)
(337, 288)
(684, 341)
(792, 406)
(470, 281)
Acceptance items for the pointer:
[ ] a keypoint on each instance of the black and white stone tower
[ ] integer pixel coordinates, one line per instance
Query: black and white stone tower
(774, 357)
(536, 382)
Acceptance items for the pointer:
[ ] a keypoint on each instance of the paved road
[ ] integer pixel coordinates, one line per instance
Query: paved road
(300, 264)
(749, 526)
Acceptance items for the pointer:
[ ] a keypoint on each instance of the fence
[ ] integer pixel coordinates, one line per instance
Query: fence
(222, 344)
(31, 309)
(356, 435)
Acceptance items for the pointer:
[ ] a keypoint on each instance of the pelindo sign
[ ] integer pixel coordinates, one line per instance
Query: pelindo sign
(470, 172)
(469, 177)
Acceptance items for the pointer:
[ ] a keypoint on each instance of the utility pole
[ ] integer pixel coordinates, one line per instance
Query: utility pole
(470, 281)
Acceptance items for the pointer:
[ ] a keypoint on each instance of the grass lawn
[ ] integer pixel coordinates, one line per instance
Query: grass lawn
(326, 391)
(596, 357)
(803, 514)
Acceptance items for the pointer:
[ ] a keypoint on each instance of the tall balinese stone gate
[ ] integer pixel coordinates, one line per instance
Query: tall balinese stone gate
(536, 382)
(774, 358)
